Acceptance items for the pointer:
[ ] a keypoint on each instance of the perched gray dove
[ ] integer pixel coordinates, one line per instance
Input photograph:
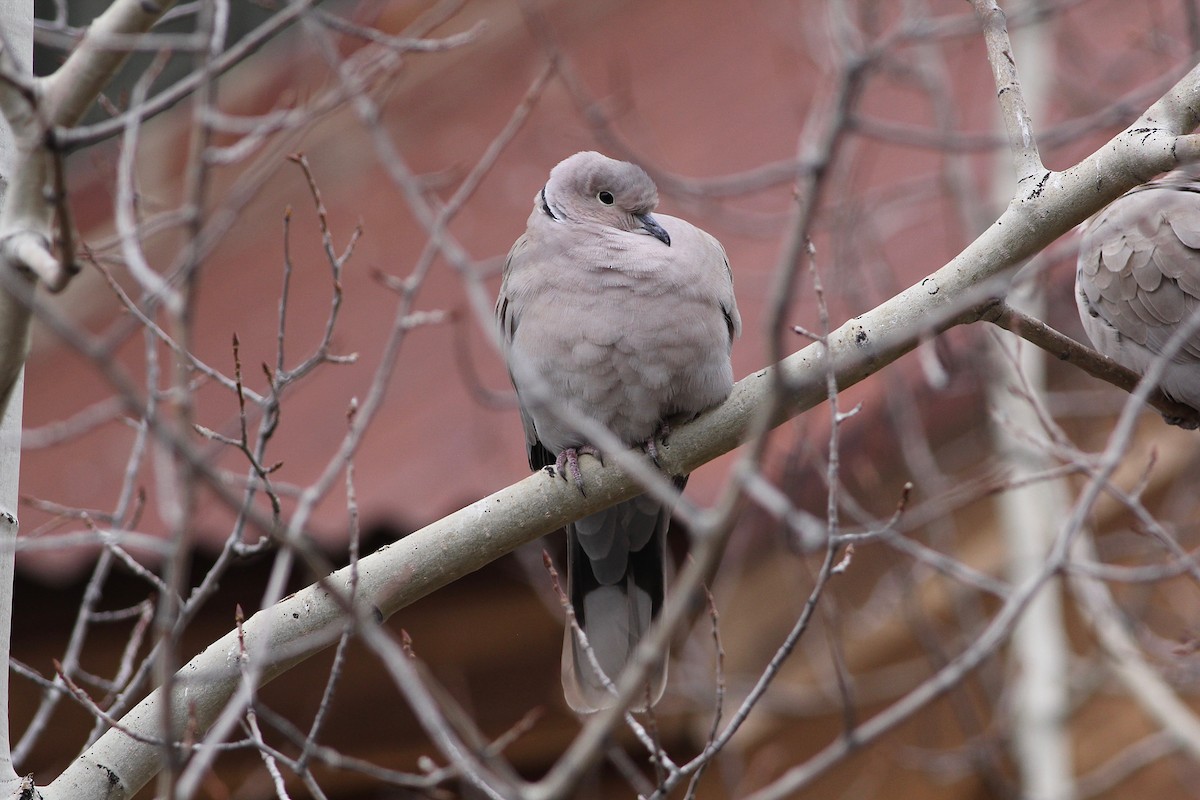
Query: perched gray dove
(1138, 279)
(628, 318)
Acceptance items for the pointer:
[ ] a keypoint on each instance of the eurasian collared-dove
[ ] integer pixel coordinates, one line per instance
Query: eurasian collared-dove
(628, 318)
(1138, 279)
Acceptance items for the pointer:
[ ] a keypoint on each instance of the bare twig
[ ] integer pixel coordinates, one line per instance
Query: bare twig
(1093, 363)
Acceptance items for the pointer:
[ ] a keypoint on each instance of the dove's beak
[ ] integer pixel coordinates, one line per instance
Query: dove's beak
(651, 226)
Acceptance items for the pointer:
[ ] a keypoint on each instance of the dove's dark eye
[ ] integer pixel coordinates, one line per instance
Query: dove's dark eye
(605, 197)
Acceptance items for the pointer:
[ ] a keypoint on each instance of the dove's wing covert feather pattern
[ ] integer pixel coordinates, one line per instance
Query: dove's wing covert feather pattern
(1138, 279)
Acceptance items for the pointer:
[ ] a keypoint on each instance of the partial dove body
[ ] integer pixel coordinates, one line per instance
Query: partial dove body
(626, 317)
(626, 332)
(1138, 280)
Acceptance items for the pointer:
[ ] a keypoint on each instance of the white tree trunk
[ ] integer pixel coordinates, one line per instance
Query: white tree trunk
(1030, 514)
(16, 32)
(26, 236)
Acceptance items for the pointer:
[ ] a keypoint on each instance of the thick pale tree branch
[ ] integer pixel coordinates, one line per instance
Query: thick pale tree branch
(1013, 110)
(33, 197)
(33, 108)
(70, 91)
(1028, 514)
(16, 37)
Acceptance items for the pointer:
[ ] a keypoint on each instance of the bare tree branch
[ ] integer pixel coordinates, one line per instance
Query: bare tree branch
(212, 704)
(959, 292)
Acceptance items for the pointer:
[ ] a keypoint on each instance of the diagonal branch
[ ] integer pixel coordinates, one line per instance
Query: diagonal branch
(70, 91)
(1064, 348)
(36, 194)
(1014, 112)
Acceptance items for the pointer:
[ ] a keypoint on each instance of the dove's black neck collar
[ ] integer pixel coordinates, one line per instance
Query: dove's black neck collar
(546, 206)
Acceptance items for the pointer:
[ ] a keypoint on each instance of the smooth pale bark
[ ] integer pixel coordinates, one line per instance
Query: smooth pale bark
(1029, 513)
(27, 218)
(16, 31)
(1029, 517)
(26, 232)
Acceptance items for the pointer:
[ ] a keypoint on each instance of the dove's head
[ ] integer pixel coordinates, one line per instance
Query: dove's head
(590, 187)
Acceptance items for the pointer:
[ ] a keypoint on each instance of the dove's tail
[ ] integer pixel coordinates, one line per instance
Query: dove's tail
(616, 578)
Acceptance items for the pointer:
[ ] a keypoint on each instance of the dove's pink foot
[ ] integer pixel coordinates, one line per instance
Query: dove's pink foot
(651, 444)
(567, 463)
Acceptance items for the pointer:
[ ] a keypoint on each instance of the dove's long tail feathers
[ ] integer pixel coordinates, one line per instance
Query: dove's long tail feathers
(616, 578)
